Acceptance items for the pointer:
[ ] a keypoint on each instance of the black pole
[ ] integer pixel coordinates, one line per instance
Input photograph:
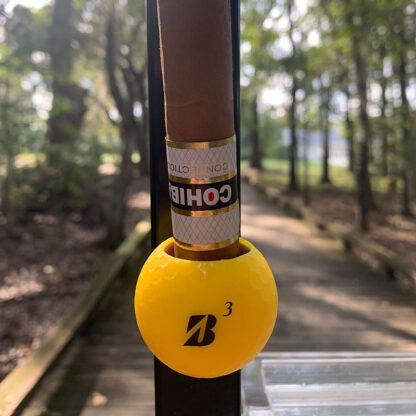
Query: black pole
(176, 394)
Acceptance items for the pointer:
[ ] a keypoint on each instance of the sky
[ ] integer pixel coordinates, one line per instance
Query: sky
(27, 3)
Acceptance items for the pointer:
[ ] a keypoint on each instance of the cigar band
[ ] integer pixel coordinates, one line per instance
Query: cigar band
(203, 189)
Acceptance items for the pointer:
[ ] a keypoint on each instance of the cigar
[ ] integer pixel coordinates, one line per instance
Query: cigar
(196, 56)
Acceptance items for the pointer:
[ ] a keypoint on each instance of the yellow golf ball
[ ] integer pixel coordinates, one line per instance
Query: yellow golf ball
(206, 319)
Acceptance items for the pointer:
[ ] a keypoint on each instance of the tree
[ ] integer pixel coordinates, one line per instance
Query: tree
(128, 129)
(404, 39)
(383, 125)
(68, 107)
(322, 67)
(358, 18)
(127, 99)
(293, 64)
(336, 45)
(256, 152)
(127, 86)
(354, 20)
(293, 150)
(349, 124)
(16, 110)
(8, 144)
(257, 63)
(306, 125)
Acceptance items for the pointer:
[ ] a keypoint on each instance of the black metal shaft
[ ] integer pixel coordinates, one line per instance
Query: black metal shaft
(176, 394)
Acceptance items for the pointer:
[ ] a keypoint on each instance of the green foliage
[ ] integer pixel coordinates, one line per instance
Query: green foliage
(25, 33)
(258, 38)
(275, 50)
(270, 133)
(275, 174)
(271, 130)
(75, 175)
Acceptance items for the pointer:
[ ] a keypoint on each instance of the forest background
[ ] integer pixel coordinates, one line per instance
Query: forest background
(328, 119)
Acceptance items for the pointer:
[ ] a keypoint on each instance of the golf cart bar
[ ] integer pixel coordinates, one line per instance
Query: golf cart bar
(177, 394)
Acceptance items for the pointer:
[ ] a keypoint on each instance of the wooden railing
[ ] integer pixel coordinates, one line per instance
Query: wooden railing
(388, 261)
(18, 385)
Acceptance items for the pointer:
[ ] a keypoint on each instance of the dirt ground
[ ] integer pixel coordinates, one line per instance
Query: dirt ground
(45, 270)
(387, 227)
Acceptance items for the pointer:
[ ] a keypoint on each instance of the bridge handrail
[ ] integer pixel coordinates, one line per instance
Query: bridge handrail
(18, 385)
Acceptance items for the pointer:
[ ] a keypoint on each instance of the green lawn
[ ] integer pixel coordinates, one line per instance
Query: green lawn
(29, 160)
(276, 172)
(23, 161)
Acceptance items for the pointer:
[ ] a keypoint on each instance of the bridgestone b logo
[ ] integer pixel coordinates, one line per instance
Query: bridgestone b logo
(203, 197)
(200, 330)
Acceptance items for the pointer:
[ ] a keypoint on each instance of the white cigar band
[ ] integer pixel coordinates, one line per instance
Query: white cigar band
(203, 189)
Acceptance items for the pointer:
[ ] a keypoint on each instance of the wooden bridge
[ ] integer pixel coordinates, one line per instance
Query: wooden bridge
(328, 301)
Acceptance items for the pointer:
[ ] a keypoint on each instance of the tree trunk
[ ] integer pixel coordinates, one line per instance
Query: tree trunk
(117, 214)
(405, 120)
(293, 150)
(325, 96)
(143, 139)
(359, 54)
(7, 200)
(128, 135)
(384, 129)
(349, 126)
(254, 136)
(8, 190)
(364, 184)
(68, 106)
(306, 188)
(67, 114)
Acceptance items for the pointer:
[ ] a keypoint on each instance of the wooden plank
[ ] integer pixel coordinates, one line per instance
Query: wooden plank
(389, 261)
(338, 307)
(385, 256)
(16, 387)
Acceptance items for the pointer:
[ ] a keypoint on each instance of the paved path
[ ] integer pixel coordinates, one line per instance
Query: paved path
(328, 302)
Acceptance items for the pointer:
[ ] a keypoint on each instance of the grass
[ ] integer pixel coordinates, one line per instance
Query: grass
(23, 161)
(276, 173)
(29, 160)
